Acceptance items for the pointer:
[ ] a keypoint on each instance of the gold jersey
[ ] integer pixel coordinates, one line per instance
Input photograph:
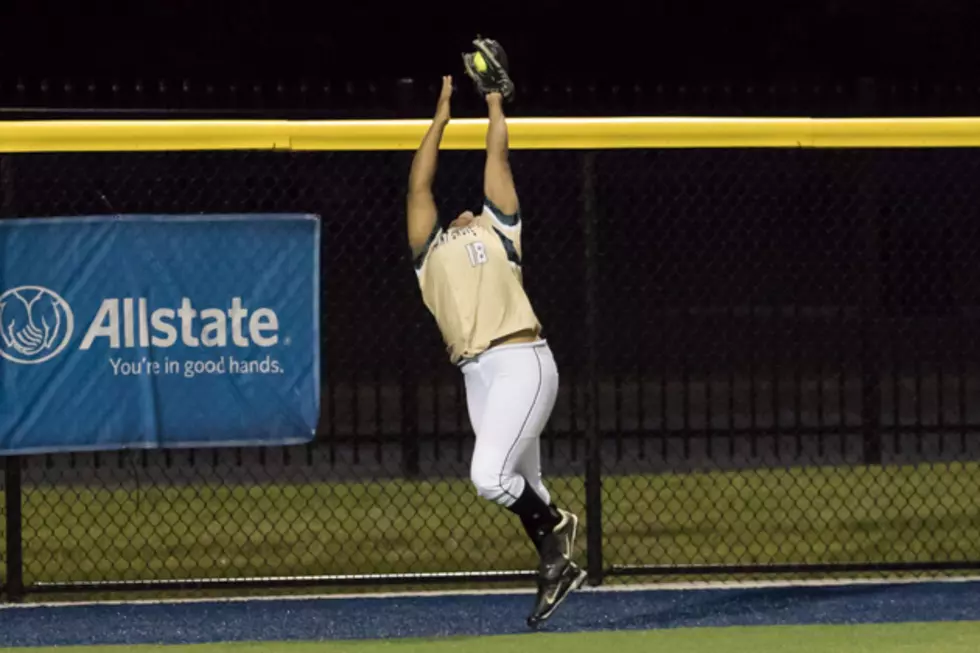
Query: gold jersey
(471, 282)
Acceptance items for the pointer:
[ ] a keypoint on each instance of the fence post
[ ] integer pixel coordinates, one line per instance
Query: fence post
(411, 451)
(6, 186)
(593, 461)
(409, 377)
(14, 587)
(870, 359)
(871, 308)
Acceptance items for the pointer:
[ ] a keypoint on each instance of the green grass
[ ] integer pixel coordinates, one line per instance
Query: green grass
(926, 512)
(954, 637)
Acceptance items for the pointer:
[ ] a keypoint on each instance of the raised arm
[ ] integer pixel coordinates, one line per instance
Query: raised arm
(498, 181)
(422, 213)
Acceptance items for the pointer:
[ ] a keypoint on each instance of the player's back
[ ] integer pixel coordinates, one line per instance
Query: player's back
(470, 278)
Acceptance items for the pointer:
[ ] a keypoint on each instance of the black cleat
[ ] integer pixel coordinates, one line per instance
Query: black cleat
(552, 591)
(557, 575)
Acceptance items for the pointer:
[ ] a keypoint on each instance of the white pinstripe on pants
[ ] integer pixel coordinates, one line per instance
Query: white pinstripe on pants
(510, 393)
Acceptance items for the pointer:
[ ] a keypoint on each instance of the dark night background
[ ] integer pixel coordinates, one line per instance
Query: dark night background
(834, 57)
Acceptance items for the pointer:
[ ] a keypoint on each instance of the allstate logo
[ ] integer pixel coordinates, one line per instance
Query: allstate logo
(35, 324)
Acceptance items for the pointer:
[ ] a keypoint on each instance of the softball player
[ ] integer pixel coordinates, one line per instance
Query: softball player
(470, 277)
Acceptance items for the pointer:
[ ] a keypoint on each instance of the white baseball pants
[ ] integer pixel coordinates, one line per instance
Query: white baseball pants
(510, 393)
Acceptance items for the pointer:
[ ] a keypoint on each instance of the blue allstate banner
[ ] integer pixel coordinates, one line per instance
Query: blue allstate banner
(144, 331)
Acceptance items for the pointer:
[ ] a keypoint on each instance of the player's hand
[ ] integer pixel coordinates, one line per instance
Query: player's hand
(445, 95)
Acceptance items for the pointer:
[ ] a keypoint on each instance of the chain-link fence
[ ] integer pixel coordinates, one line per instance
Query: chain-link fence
(768, 362)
